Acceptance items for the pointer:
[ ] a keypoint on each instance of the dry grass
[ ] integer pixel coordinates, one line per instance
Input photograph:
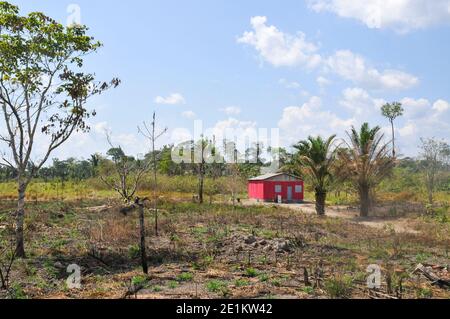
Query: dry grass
(201, 248)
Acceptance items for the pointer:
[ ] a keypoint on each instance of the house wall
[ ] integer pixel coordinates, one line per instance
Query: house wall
(265, 190)
(256, 190)
(271, 195)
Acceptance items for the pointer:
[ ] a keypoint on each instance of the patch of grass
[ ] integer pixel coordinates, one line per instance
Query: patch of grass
(217, 286)
(308, 290)
(263, 277)
(251, 272)
(276, 282)
(134, 251)
(139, 281)
(339, 286)
(186, 276)
(422, 257)
(241, 283)
(424, 293)
(156, 288)
(17, 292)
(172, 284)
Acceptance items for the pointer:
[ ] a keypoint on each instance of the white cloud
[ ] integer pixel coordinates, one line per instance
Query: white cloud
(282, 49)
(231, 110)
(415, 108)
(360, 103)
(353, 67)
(322, 81)
(441, 106)
(399, 15)
(189, 115)
(298, 122)
(410, 129)
(102, 128)
(422, 118)
(278, 48)
(172, 99)
(180, 135)
(289, 84)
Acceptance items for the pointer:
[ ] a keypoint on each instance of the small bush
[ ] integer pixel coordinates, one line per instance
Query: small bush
(217, 286)
(339, 287)
(134, 251)
(139, 281)
(186, 276)
(251, 272)
(424, 293)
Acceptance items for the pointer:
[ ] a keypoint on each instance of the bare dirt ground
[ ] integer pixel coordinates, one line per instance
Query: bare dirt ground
(220, 251)
(398, 224)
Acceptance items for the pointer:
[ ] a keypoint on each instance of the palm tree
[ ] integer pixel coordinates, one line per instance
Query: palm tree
(316, 158)
(366, 162)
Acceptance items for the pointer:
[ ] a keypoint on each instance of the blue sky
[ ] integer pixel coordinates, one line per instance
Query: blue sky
(306, 67)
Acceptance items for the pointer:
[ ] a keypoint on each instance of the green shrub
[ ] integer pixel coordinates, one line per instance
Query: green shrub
(339, 286)
(139, 281)
(424, 293)
(251, 272)
(217, 286)
(186, 276)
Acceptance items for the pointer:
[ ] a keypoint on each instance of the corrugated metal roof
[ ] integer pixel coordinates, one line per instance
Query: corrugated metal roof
(270, 176)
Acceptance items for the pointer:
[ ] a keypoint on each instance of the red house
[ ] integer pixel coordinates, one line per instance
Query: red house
(269, 188)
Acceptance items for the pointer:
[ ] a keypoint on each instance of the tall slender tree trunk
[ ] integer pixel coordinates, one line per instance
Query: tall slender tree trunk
(20, 216)
(393, 139)
(142, 235)
(155, 183)
(364, 197)
(201, 182)
(320, 202)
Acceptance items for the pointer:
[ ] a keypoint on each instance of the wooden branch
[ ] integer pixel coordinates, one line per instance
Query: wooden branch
(435, 280)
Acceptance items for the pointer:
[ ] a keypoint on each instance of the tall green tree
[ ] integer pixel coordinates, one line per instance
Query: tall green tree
(392, 111)
(43, 91)
(316, 158)
(365, 162)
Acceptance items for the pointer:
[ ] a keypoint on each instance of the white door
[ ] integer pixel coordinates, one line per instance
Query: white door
(289, 193)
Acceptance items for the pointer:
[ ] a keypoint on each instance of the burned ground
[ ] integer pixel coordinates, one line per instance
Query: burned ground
(216, 251)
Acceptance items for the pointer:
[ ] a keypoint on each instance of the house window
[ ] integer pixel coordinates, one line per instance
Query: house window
(298, 189)
(278, 189)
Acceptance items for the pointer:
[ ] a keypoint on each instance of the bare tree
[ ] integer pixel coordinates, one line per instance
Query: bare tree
(125, 180)
(42, 92)
(200, 151)
(152, 136)
(127, 173)
(435, 155)
(235, 181)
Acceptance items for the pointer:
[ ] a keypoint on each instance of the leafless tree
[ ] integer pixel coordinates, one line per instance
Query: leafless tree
(125, 180)
(201, 149)
(435, 154)
(235, 181)
(127, 173)
(151, 134)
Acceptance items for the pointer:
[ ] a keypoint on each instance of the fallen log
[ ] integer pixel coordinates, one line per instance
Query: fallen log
(433, 278)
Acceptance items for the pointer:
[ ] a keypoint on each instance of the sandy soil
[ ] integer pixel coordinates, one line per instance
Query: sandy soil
(398, 224)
